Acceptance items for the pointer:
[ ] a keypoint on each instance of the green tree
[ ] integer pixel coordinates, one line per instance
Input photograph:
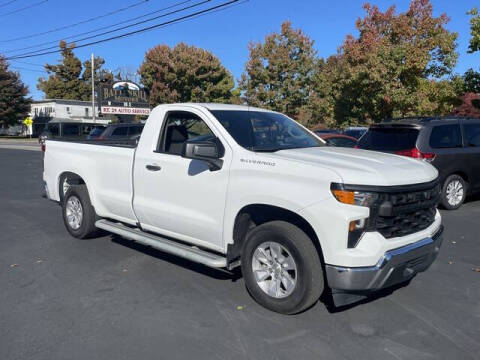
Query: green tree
(100, 73)
(69, 79)
(185, 74)
(474, 30)
(471, 79)
(64, 81)
(397, 66)
(278, 74)
(14, 103)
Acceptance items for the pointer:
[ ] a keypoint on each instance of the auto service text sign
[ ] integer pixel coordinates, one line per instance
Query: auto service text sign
(124, 110)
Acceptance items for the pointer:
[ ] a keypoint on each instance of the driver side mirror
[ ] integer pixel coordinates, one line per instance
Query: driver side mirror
(208, 151)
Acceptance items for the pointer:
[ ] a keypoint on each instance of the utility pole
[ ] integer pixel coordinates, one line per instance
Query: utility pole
(93, 88)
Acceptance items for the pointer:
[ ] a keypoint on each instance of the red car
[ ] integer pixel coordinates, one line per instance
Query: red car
(339, 140)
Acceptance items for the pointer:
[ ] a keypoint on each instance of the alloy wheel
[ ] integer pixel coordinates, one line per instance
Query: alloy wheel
(74, 212)
(274, 269)
(454, 192)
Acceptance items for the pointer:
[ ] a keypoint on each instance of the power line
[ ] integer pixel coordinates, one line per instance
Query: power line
(27, 63)
(120, 28)
(76, 24)
(98, 29)
(148, 28)
(26, 69)
(7, 3)
(24, 8)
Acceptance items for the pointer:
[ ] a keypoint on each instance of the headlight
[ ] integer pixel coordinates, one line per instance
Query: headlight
(351, 197)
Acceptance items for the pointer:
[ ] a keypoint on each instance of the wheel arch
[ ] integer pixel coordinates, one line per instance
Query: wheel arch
(252, 215)
(73, 178)
(463, 175)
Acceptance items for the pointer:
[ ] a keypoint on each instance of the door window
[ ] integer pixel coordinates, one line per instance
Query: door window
(181, 126)
(472, 134)
(446, 136)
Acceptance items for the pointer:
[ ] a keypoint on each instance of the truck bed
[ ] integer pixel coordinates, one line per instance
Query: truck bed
(129, 143)
(106, 163)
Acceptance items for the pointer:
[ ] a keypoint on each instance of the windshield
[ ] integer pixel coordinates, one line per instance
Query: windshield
(265, 131)
(388, 139)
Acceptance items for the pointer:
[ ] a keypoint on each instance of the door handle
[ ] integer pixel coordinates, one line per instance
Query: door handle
(153, 167)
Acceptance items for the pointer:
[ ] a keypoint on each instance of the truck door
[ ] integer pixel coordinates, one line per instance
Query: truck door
(181, 197)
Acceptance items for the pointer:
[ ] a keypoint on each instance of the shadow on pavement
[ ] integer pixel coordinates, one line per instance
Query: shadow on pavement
(236, 274)
(218, 274)
(327, 299)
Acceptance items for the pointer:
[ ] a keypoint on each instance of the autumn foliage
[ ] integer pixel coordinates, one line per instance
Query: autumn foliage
(279, 73)
(396, 64)
(469, 106)
(399, 64)
(185, 74)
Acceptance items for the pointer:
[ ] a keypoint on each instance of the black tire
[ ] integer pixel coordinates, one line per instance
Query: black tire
(309, 275)
(447, 202)
(86, 226)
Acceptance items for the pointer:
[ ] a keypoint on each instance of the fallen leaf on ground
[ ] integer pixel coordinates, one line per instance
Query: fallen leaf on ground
(239, 307)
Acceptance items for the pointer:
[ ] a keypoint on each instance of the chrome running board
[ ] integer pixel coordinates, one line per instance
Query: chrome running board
(163, 244)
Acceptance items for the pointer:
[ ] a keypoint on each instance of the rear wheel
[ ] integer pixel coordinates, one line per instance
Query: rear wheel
(78, 212)
(281, 268)
(454, 191)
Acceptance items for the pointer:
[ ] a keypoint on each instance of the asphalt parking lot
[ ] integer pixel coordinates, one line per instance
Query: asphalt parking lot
(107, 298)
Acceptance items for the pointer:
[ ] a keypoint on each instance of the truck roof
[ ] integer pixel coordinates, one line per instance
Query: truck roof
(218, 106)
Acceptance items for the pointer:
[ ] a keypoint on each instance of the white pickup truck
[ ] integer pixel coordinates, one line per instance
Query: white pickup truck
(227, 186)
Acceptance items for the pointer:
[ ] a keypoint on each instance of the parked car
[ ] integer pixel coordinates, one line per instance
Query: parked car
(325, 131)
(339, 140)
(284, 207)
(14, 130)
(355, 131)
(66, 130)
(122, 131)
(96, 131)
(451, 144)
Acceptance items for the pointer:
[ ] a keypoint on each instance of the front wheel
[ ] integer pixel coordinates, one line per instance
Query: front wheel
(281, 268)
(454, 191)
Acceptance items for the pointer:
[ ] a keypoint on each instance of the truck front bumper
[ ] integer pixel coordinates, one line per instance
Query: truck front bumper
(394, 267)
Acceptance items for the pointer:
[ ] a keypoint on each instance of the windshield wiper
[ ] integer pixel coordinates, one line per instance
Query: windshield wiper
(259, 149)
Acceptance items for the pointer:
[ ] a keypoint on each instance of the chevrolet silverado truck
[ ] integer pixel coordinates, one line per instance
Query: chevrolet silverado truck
(227, 186)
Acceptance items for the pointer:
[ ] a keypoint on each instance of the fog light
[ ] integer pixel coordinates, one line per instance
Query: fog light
(355, 232)
(357, 225)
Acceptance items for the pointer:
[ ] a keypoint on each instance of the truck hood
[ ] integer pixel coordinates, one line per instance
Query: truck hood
(363, 167)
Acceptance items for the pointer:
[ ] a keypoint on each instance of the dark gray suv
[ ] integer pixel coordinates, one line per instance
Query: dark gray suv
(451, 144)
